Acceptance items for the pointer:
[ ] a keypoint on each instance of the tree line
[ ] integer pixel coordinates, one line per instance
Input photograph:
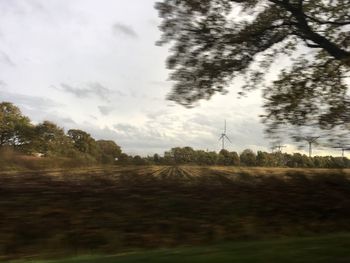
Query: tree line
(187, 155)
(46, 139)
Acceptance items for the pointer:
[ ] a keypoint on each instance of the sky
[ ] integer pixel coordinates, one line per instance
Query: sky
(93, 65)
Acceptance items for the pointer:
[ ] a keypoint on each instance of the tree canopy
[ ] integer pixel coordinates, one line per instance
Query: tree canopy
(47, 139)
(216, 41)
(14, 127)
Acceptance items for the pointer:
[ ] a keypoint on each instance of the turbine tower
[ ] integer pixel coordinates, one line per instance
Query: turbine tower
(310, 140)
(223, 137)
(343, 148)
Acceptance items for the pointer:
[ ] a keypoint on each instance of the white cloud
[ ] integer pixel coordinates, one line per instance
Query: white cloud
(105, 110)
(70, 42)
(91, 89)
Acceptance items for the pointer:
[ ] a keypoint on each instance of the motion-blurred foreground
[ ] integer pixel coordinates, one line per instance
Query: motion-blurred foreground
(111, 210)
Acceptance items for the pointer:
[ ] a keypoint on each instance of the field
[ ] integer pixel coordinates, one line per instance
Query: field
(321, 249)
(109, 210)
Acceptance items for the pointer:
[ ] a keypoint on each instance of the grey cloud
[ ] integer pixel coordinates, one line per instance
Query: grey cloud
(105, 110)
(125, 30)
(92, 89)
(93, 117)
(37, 108)
(5, 58)
(98, 89)
(66, 122)
(78, 92)
(141, 140)
(125, 128)
(120, 93)
(30, 102)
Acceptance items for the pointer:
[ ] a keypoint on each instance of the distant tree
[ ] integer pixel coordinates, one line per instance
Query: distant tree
(248, 158)
(138, 160)
(212, 158)
(211, 45)
(157, 159)
(263, 159)
(277, 159)
(169, 157)
(110, 152)
(338, 162)
(300, 160)
(205, 158)
(183, 155)
(51, 140)
(235, 158)
(228, 158)
(125, 159)
(320, 162)
(15, 129)
(83, 142)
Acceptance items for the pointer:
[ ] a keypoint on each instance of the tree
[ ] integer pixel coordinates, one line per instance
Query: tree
(212, 45)
(248, 158)
(15, 129)
(183, 155)
(228, 158)
(205, 157)
(263, 159)
(110, 151)
(156, 158)
(51, 140)
(138, 160)
(84, 143)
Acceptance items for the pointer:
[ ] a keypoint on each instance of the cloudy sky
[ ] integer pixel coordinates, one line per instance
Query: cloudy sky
(94, 65)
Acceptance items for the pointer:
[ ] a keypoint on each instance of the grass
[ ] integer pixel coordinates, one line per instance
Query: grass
(108, 210)
(324, 249)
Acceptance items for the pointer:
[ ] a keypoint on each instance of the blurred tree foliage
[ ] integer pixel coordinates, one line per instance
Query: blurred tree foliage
(215, 41)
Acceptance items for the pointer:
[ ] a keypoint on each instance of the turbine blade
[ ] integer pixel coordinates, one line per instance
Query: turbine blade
(228, 139)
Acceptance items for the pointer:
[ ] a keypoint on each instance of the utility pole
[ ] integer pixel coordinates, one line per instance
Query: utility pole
(279, 147)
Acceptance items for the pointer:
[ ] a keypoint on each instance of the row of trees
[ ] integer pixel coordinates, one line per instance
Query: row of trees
(187, 155)
(49, 140)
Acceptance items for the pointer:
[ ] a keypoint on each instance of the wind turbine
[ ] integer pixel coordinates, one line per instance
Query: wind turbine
(223, 137)
(310, 140)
